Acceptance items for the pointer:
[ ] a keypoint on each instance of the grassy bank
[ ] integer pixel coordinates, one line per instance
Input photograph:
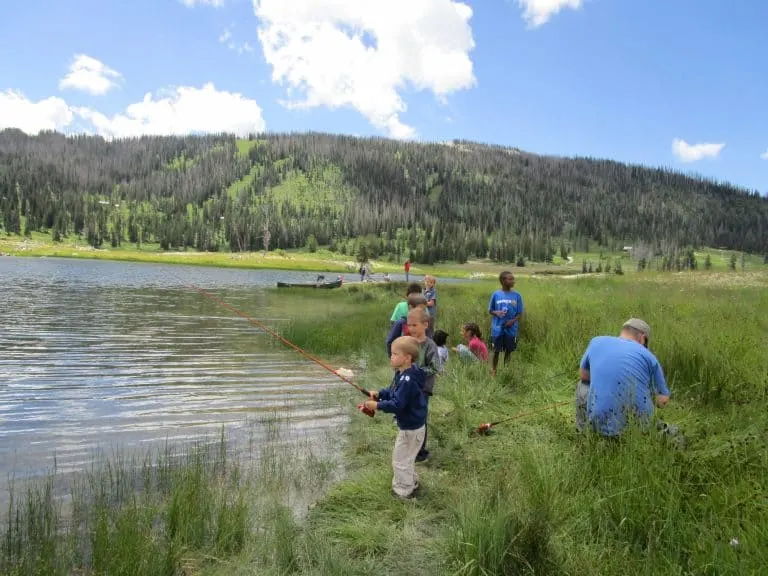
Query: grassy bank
(533, 498)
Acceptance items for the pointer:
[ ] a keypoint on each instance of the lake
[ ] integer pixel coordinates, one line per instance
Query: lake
(97, 356)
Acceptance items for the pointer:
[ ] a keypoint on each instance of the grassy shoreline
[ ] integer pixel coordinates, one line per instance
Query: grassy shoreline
(538, 498)
(41, 245)
(535, 497)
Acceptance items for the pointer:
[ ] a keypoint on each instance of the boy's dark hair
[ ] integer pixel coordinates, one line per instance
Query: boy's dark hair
(413, 288)
(505, 273)
(474, 329)
(415, 300)
(440, 337)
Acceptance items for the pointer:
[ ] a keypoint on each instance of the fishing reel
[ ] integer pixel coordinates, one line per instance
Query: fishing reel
(366, 411)
(483, 430)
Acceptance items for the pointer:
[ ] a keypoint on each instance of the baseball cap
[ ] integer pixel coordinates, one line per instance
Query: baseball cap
(639, 325)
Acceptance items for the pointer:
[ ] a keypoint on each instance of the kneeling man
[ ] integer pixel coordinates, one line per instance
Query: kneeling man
(620, 378)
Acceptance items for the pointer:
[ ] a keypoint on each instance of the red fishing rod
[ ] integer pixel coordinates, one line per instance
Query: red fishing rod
(284, 340)
(486, 428)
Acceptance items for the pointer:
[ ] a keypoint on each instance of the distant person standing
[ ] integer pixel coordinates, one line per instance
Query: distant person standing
(619, 378)
(430, 293)
(506, 309)
(407, 267)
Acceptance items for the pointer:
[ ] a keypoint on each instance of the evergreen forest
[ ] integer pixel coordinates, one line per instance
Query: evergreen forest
(374, 197)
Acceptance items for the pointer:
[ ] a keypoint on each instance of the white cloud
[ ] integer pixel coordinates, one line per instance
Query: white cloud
(764, 155)
(539, 12)
(694, 152)
(363, 54)
(183, 110)
(193, 3)
(91, 75)
(16, 111)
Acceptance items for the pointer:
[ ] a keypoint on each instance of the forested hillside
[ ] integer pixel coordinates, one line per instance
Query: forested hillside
(430, 201)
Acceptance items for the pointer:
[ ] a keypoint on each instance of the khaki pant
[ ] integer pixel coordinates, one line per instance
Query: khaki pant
(582, 393)
(407, 445)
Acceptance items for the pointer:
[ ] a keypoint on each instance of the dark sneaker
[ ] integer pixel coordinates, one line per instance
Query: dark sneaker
(422, 457)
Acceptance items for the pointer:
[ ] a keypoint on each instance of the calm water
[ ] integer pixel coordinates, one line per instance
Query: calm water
(102, 355)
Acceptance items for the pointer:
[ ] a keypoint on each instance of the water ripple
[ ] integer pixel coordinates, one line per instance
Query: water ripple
(98, 354)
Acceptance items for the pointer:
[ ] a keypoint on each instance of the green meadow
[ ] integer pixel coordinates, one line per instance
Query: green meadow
(534, 497)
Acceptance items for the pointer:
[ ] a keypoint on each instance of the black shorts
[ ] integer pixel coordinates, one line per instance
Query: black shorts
(505, 343)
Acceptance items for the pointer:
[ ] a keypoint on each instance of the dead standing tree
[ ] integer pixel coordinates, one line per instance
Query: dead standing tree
(265, 234)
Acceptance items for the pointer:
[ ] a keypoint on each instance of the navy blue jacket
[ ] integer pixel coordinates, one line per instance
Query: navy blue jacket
(405, 399)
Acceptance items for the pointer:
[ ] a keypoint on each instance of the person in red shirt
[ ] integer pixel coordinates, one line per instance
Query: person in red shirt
(407, 267)
(475, 349)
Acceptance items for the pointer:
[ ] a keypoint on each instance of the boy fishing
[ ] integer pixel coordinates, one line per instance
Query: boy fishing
(407, 401)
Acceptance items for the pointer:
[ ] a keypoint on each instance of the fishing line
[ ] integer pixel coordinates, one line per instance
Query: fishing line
(273, 333)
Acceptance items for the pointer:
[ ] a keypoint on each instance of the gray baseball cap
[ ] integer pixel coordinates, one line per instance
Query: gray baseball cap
(639, 325)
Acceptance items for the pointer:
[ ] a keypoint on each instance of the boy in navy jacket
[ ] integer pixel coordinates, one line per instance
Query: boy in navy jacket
(405, 399)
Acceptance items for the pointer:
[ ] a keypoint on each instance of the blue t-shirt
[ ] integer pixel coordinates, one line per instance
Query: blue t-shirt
(624, 375)
(512, 301)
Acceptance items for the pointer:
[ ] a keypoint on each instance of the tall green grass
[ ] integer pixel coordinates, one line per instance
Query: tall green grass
(534, 497)
(179, 510)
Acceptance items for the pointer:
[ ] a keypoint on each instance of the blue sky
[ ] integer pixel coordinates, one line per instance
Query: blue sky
(619, 79)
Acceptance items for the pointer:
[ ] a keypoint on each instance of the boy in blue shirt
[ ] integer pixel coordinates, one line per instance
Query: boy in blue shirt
(506, 309)
(619, 377)
(405, 399)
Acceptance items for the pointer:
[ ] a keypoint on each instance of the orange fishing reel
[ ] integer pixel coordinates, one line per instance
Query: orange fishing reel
(365, 410)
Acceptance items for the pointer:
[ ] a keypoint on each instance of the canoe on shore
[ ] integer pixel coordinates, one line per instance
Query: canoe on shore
(334, 284)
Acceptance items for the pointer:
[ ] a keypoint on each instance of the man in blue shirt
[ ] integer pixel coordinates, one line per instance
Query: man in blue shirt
(506, 309)
(620, 378)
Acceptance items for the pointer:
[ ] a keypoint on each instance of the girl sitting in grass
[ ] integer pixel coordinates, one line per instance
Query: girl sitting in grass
(475, 348)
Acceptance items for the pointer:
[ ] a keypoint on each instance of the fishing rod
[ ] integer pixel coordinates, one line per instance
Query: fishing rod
(486, 428)
(284, 340)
